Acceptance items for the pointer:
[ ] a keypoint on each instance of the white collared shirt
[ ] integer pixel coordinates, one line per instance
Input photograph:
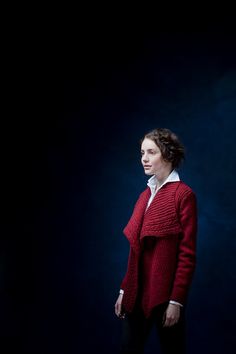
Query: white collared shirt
(152, 182)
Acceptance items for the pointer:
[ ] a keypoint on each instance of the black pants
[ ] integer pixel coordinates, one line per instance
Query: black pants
(136, 328)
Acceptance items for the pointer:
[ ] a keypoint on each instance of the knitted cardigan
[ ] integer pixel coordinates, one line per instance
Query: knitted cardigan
(162, 255)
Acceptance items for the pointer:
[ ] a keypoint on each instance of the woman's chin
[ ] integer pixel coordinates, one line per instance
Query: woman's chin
(148, 172)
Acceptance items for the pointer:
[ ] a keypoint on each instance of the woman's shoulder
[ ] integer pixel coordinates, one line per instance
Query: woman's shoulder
(184, 189)
(144, 192)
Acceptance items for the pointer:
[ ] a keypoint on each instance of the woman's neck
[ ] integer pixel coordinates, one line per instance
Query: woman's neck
(162, 176)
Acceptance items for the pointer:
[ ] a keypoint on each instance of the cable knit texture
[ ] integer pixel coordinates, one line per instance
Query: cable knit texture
(162, 254)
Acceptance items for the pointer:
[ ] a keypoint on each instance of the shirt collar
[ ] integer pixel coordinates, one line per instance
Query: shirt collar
(152, 182)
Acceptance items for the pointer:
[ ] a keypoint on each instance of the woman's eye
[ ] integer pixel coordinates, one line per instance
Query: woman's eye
(150, 152)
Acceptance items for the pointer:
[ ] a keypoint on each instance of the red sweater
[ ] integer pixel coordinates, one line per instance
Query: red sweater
(162, 253)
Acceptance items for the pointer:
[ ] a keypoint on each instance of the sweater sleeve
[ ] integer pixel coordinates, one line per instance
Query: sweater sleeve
(186, 260)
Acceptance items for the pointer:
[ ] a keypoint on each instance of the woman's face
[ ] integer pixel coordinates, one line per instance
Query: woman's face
(152, 160)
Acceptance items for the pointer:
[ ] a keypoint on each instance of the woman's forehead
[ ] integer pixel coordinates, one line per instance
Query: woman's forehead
(148, 144)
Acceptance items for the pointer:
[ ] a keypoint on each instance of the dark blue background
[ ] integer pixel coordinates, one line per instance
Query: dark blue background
(76, 174)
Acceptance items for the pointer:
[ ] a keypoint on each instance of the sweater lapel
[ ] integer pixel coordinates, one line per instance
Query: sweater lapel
(133, 228)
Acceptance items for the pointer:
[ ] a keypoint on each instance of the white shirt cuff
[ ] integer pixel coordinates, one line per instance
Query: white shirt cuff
(175, 303)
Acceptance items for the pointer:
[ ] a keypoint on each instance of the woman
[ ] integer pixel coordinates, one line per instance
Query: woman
(162, 235)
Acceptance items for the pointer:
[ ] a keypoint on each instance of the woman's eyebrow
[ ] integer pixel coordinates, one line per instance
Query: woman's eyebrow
(148, 149)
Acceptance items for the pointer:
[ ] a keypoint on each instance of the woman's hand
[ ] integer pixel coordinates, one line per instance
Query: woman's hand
(171, 315)
(118, 307)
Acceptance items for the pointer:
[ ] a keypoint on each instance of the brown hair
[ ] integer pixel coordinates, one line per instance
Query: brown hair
(172, 149)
